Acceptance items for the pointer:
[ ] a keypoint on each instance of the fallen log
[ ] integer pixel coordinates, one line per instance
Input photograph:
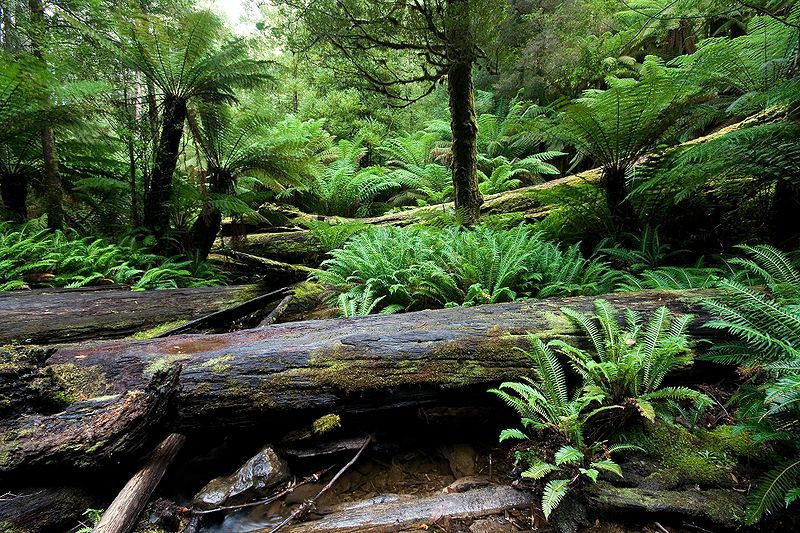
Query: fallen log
(62, 315)
(395, 513)
(235, 379)
(43, 509)
(300, 246)
(124, 511)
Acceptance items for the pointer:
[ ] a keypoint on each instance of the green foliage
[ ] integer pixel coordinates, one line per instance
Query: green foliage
(416, 268)
(627, 366)
(766, 332)
(32, 255)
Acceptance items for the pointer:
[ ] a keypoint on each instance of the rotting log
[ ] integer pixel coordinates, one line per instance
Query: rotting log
(395, 513)
(299, 246)
(122, 514)
(237, 379)
(43, 508)
(534, 202)
(100, 431)
(63, 315)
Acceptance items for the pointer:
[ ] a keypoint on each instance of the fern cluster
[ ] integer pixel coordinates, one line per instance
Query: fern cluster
(33, 256)
(417, 268)
(765, 326)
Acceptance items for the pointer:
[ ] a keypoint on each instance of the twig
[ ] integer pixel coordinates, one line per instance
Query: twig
(661, 528)
(300, 511)
(288, 490)
(277, 312)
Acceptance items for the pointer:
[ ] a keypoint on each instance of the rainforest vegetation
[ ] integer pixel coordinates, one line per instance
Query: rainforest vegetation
(588, 208)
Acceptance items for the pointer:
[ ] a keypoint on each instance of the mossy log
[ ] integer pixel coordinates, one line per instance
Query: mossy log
(62, 315)
(300, 246)
(43, 509)
(280, 372)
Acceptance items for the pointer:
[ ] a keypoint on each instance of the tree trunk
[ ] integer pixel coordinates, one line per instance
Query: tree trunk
(463, 121)
(209, 221)
(263, 376)
(14, 192)
(54, 195)
(69, 315)
(156, 208)
(619, 205)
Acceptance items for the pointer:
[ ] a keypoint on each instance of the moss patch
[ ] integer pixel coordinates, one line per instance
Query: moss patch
(219, 364)
(327, 423)
(685, 458)
(79, 383)
(157, 330)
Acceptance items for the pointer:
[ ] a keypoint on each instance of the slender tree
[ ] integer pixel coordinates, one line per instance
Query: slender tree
(54, 193)
(403, 49)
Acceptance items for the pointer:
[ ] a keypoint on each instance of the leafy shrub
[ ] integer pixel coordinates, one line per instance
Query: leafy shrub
(416, 268)
(30, 254)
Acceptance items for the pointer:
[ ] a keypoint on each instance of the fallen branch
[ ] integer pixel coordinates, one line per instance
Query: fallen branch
(226, 315)
(276, 313)
(308, 504)
(124, 511)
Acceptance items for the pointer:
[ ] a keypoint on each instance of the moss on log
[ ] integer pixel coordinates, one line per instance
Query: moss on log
(62, 315)
(238, 378)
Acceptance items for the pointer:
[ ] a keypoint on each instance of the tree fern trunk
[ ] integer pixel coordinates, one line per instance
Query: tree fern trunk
(209, 221)
(156, 202)
(622, 213)
(463, 122)
(14, 192)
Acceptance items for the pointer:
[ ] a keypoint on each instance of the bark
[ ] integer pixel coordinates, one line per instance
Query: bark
(241, 378)
(64, 315)
(209, 221)
(55, 194)
(44, 509)
(156, 208)
(101, 431)
(14, 192)
(463, 120)
(395, 513)
(622, 212)
(124, 511)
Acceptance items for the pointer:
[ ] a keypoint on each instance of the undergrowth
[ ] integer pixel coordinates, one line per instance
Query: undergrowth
(32, 256)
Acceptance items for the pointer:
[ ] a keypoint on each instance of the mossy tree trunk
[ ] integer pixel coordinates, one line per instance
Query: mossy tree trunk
(156, 206)
(463, 121)
(209, 221)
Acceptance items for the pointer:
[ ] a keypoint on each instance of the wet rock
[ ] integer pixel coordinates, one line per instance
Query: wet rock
(721, 507)
(461, 458)
(255, 479)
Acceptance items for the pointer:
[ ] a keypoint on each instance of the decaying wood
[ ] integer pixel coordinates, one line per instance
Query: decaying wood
(43, 508)
(276, 313)
(227, 315)
(104, 430)
(63, 315)
(278, 272)
(307, 505)
(124, 511)
(236, 379)
(394, 513)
